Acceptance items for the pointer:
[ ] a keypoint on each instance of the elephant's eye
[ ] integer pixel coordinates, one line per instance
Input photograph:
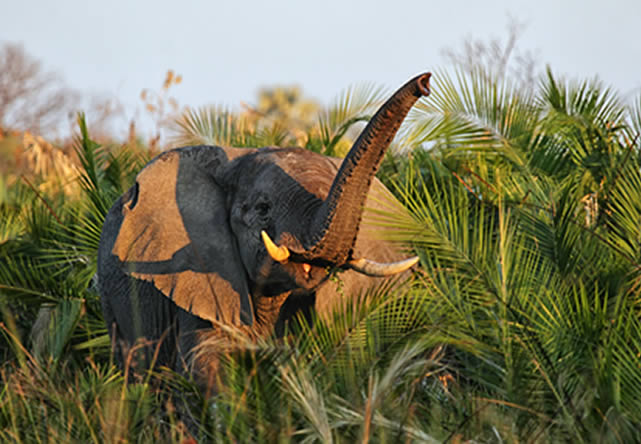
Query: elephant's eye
(262, 208)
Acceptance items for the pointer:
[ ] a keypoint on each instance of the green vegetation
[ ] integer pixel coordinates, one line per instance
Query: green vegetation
(522, 324)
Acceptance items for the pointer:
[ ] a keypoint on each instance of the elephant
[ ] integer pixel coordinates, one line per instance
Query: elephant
(213, 238)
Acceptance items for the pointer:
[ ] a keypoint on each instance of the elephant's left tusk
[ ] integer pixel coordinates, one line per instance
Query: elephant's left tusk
(377, 269)
(279, 254)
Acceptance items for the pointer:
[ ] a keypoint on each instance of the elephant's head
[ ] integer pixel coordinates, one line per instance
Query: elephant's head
(211, 226)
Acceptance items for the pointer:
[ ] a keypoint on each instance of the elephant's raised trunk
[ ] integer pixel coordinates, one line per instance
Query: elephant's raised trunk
(335, 226)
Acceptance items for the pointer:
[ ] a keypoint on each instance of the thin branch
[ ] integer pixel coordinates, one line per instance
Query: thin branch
(466, 185)
(35, 190)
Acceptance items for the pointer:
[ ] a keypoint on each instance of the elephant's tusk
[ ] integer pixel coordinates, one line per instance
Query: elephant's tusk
(377, 269)
(279, 254)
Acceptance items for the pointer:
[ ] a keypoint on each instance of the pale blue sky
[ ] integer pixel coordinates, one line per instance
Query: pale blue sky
(226, 50)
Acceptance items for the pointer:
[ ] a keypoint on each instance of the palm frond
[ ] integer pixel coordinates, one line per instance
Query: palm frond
(214, 126)
(354, 105)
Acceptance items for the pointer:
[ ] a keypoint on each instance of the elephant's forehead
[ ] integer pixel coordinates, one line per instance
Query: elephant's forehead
(311, 171)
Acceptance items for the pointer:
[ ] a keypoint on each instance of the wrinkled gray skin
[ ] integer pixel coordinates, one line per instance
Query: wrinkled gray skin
(181, 252)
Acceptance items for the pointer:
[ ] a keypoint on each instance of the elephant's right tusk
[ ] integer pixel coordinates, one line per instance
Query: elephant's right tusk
(377, 269)
(279, 254)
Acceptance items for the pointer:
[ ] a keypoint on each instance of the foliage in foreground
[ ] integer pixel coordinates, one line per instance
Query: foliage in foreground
(522, 323)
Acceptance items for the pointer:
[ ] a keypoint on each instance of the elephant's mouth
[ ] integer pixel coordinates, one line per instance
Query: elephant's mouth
(275, 278)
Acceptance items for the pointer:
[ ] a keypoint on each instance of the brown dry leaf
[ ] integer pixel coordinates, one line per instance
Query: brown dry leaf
(168, 79)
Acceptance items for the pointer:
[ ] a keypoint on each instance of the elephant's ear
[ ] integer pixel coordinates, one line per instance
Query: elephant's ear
(175, 234)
